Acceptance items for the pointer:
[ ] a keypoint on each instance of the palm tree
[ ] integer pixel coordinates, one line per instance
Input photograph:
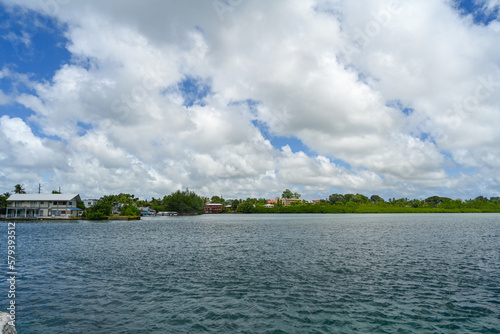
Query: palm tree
(18, 189)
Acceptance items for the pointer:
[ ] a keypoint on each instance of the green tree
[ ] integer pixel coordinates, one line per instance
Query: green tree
(130, 210)
(358, 198)
(348, 197)
(217, 199)
(19, 189)
(246, 207)
(80, 205)
(234, 204)
(289, 194)
(56, 192)
(376, 199)
(3, 203)
(262, 201)
(186, 202)
(337, 199)
(99, 211)
(436, 200)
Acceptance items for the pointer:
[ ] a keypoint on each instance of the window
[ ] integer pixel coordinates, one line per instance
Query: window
(55, 203)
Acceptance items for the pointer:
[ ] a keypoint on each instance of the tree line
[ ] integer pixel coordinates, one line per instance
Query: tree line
(188, 202)
(183, 202)
(358, 203)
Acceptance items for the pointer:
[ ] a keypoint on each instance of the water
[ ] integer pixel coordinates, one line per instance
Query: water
(260, 274)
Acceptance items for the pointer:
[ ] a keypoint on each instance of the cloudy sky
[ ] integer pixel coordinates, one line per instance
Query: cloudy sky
(245, 98)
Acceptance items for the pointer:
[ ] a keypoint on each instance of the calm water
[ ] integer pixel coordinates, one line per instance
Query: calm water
(260, 274)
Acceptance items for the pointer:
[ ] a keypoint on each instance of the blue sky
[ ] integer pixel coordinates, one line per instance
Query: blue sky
(32, 43)
(105, 95)
(476, 9)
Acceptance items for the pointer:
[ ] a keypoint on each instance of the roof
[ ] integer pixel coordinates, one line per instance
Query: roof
(44, 197)
(213, 204)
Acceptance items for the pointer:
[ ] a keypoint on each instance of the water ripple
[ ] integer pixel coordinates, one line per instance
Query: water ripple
(262, 274)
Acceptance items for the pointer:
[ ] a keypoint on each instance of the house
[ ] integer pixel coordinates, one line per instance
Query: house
(90, 202)
(269, 205)
(43, 206)
(287, 201)
(146, 211)
(213, 208)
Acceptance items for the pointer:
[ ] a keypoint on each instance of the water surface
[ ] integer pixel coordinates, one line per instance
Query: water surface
(424, 273)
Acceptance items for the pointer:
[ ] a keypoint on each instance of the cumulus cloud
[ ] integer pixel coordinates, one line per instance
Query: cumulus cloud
(393, 97)
(22, 149)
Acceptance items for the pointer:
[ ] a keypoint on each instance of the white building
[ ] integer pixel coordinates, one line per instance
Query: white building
(90, 202)
(43, 205)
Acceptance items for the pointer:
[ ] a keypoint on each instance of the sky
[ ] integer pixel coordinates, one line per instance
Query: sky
(240, 98)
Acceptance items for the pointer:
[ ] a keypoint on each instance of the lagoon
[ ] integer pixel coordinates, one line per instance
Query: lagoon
(385, 273)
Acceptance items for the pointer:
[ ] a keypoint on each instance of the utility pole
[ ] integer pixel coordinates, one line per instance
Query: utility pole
(59, 189)
(39, 188)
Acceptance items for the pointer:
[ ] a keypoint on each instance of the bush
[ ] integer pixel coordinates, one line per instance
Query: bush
(130, 210)
(99, 211)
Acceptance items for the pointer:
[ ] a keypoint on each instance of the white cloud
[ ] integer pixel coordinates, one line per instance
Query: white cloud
(22, 149)
(333, 74)
(4, 99)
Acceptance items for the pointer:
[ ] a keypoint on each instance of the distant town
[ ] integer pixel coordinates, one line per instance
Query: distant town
(56, 205)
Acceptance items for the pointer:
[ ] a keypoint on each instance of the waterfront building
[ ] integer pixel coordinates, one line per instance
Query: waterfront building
(90, 202)
(287, 201)
(213, 208)
(43, 206)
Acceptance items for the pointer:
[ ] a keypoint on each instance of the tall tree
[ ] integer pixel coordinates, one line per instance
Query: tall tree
(19, 189)
(184, 202)
(217, 199)
(376, 198)
(289, 194)
(358, 198)
(234, 204)
(337, 199)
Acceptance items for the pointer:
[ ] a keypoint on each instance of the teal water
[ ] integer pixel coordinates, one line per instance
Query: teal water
(422, 273)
